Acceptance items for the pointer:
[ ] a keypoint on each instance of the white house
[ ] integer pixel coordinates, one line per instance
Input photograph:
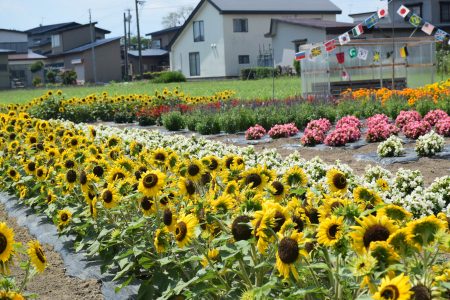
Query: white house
(221, 37)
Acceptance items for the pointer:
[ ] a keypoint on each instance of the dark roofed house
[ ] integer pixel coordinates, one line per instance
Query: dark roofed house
(5, 81)
(221, 37)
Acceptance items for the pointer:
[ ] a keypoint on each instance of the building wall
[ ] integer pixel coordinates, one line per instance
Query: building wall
(212, 50)
(12, 37)
(4, 74)
(75, 38)
(430, 10)
(253, 42)
(165, 39)
(23, 67)
(284, 48)
(149, 64)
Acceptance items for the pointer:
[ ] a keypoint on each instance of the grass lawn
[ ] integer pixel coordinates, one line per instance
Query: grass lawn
(254, 89)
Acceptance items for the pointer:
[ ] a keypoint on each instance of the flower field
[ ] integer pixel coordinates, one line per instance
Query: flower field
(197, 219)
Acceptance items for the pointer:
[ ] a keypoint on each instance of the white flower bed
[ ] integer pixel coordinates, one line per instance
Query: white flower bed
(430, 144)
(392, 147)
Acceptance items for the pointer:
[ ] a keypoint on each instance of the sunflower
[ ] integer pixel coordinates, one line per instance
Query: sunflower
(110, 197)
(295, 177)
(363, 265)
(187, 187)
(161, 240)
(41, 173)
(278, 190)
(11, 296)
(169, 219)
(337, 181)
(330, 231)
(6, 242)
(401, 241)
(384, 253)
(241, 228)
(117, 173)
(423, 231)
(37, 256)
(147, 206)
(159, 157)
(223, 204)
(51, 197)
(151, 183)
(212, 162)
(397, 288)
(29, 167)
(93, 207)
(300, 219)
(254, 178)
(64, 217)
(213, 255)
(13, 174)
(395, 212)
(367, 196)
(382, 184)
(233, 162)
(330, 205)
(194, 170)
(371, 229)
(232, 188)
(289, 253)
(185, 230)
(71, 178)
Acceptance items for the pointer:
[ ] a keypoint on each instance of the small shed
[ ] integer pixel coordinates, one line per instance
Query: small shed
(369, 63)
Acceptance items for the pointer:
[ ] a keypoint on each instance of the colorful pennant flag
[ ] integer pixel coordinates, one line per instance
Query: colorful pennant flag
(317, 51)
(358, 30)
(300, 55)
(353, 52)
(428, 28)
(404, 52)
(376, 56)
(382, 12)
(371, 21)
(330, 45)
(403, 11)
(415, 20)
(363, 53)
(344, 39)
(340, 57)
(345, 75)
(440, 35)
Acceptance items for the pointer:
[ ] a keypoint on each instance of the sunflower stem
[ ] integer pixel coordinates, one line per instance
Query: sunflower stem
(244, 272)
(27, 275)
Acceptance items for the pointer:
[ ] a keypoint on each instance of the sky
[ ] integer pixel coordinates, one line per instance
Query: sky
(26, 14)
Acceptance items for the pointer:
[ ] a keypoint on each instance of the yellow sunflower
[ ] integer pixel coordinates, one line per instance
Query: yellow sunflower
(395, 212)
(382, 184)
(29, 167)
(423, 231)
(151, 183)
(363, 265)
(223, 204)
(371, 229)
(295, 177)
(278, 190)
(169, 219)
(397, 288)
(64, 217)
(159, 157)
(110, 197)
(37, 256)
(93, 207)
(289, 253)
(13, 174)
(117, 173)
(367, 196)
(337, 181)
(330, 204)
(212, 162)
(330, 231)
(185, 230)
(6, 242)
(147, 206)
(254, 178)
(194, 170)
(161, 240)
(187, 187)
(401, 241)
(232, 188)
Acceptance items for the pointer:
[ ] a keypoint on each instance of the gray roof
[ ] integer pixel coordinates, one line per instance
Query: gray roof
(6, 51)
(163, 31)
(314, 23)
(280, 6)
(90, 45)
(50, 28)
(149, 52)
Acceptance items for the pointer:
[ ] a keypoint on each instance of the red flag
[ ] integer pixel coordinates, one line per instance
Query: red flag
(330, 45)
(340, 57)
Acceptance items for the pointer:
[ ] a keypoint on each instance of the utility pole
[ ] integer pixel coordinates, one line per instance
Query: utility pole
(94, 65)
(393, 45)
(139, 36)
(125, 45)
(129, 29)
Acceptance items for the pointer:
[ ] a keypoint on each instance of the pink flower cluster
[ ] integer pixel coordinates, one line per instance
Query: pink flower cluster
(443, 127)
(255, 133)
(281, 131)
(343, 135)
(350, 121)
(379, 128)
(415, 129)
(434, 116)
(406, 117)
(315, 132)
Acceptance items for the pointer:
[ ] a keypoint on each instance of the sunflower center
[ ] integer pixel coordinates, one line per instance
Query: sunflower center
(240, 228)
(279, 188)
(193, 170)
(98, 171)
(313, 215)
(228, 162)
(49, 198)
(74, 142)
(390, 292)
(40, 255)
(180, 231)
(64, 217)
(146, 204)
(167, 217)
(374, 234)
(335, 205)
(12, 173)
(150, 180)
(421, 293)
(3, 243)
(333, 230)
(31, 166)
(213, 164)
(299, 224)
(279, 221)
(190, 187)
(83, 178)
(118, 176)
(71, 176)
(40, 173)
(254, 179)
(288, 250)
(69, 164)
(160, 157)
(107, 196)
(339, 181)
(33, 140)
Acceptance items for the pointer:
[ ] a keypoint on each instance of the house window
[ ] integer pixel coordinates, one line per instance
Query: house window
(199, 31)
(3, 67)
(240, 25)
(56, 41)
(415, 8)
(156, 44)
(244, 59)
(445, 12)
(194, 63)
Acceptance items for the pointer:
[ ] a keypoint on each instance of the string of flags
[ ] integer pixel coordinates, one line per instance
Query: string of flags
(415, 20)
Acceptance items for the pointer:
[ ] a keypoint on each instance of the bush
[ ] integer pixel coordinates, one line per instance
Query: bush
(258, 73)
(430, 144)
(37, 81)
(297, 67)
(49, 109)
(208, 125)
(51, 76)
(255, 133)
(173, 121)
(425, 106)
(170, 76)
(69, 77)
(392, 147)
(78, 114)
(122, 116)
(37, 66)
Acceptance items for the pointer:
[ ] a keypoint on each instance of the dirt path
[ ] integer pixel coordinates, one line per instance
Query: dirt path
(53, 284)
